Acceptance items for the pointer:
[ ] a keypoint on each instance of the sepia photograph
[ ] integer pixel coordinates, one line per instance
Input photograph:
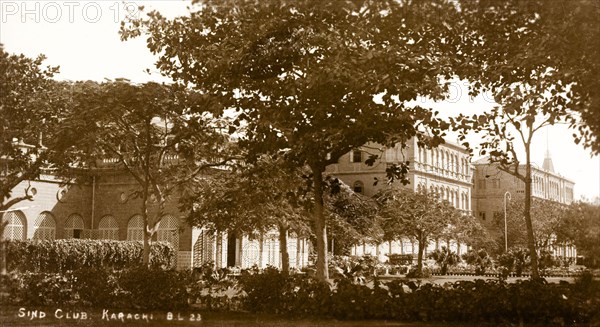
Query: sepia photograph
(300, 163)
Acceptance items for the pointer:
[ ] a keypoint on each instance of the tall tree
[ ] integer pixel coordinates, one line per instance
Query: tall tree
(28, 115)
(547, 218)
(462, 228)
(415, 215)
(506, 42)
(582, 224)
(526, 108)
(507, 50)
(302, 75)
(162, 136)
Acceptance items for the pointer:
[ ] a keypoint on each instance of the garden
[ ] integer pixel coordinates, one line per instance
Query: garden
(104, 278)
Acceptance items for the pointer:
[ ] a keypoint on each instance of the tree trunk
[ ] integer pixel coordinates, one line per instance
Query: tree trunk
(3, 249)
(422, 246)
(283, 249)
(146, 251)
(298, 253)
(320, 227)
(260, 250)
(218, 250)
(530, 236)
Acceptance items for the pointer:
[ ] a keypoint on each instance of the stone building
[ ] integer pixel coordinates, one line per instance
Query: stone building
(492, 186)
(101, 208)
(445, 170)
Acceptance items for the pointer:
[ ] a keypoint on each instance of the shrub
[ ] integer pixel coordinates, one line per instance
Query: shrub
(72, 254)
(45, 289)
(98, 287)
(415, 273)
(266, 291)
(154, 288)
(308, 297)
(136, 288)
(354, 266)
(359, 302)
(445, 258)
(213, 289)
(478, 258)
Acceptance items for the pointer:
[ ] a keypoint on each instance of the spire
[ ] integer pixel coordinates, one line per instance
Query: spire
(548, 165)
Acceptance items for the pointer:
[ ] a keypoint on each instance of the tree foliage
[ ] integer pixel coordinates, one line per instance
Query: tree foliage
(550, 48)
(302, 75)
(162, 136)
(548, 223)
(415, 215)
(445, 258)
(28, 117)
(251, 199)
(352, 218)
(582, 224)
(539, 72)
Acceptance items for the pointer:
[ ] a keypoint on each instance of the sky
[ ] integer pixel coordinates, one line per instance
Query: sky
(82, 38)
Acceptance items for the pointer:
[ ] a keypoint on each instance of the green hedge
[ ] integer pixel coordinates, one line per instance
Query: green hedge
(132, 288)
(491, 301)
(73, 254)
(481, 301)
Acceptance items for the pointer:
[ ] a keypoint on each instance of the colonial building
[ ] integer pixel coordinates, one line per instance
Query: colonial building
(492, 187)
(101, 208)
(445, 170)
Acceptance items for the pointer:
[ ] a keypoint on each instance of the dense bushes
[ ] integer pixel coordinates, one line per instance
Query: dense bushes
(136, 288)
(269, 291)
(494, 301)
(72, 254)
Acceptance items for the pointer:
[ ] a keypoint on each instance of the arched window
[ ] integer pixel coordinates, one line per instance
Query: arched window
(443, 160)
(135, 228)
(74, 226)
(358, 187)
(168, 231)
(457, 167)
(108, 228)
(17, 225)
(45, 227)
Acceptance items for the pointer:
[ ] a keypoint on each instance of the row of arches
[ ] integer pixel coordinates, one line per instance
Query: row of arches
(459, 200)
(74, 227)
(444, 159)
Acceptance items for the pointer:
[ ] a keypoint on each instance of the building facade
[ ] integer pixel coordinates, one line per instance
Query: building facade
(102, 208)
(445, 170)
(492, 187)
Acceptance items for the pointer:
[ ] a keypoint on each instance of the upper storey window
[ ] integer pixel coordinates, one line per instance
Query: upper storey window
(356, 156)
